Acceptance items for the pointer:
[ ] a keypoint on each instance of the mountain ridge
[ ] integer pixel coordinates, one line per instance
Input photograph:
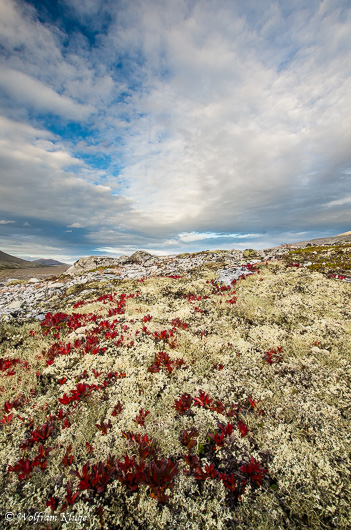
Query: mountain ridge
(7, 261)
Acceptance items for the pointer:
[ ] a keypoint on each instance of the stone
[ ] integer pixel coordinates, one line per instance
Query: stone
(56, 285)
(226, 276)
(140, 257)
(91, 263)
(15, 305)
(33, 280)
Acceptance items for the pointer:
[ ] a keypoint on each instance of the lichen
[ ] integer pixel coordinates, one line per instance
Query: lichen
(294, 401)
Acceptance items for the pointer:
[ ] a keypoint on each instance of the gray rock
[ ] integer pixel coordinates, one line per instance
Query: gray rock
(90, 263)
(140, 257)
(56, 285)
(15, 305)
(226, 276)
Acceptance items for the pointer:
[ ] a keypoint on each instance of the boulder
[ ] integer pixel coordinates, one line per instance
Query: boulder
(140, 257)
(94, 262)
(90, 263)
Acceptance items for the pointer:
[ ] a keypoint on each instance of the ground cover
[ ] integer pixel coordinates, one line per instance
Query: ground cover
(328, 259)
(175, 402)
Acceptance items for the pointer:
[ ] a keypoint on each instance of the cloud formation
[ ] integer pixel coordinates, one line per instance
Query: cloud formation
(169, 125)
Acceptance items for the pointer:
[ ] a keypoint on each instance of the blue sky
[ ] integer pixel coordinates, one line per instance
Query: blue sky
(172, 125)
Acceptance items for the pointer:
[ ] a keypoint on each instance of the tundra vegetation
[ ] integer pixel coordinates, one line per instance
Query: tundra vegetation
(176, 402)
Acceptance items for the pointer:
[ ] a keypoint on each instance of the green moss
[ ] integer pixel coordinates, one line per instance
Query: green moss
(329, 259)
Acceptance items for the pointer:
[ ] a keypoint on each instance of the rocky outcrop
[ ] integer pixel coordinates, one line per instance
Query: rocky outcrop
(95, 262)
(34, 298)
(140, 258)
(90, 263)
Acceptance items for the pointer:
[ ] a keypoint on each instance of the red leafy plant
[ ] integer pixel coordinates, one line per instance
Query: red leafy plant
(69, 498)
(272, 356)
(146, 446)
(163, 359)
(203, 400)
(96, 479)
(24, 467)
(177, 323)
(159, 475)
(218, 438)
(242, 428)
(188, 438)
(140, 419)
(102, 426)
(40, 434)
(183, 403)
(217, 406)
(192, 461)
(254, 471)
(52, 503)
(253, 404)
(68, 458)
(117, 409)
(297, 265)
(130, 473)
(6, 419)
(228, 480)
(16, 404)
(208, 472)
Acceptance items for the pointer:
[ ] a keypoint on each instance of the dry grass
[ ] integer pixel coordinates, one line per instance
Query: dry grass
(302, 436)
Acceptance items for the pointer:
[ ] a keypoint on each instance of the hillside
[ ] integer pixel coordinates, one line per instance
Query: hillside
(11, 262)
(48, 262)
(346, 236)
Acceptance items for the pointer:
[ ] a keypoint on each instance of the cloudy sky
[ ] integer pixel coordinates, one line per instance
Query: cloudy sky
(172, 125)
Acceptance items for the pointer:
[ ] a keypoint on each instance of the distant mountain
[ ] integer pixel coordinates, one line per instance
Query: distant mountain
(48, 262)
(11, 262)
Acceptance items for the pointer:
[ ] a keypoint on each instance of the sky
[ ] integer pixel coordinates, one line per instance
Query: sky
(172, 126)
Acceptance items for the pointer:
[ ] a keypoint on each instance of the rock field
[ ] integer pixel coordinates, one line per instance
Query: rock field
(33, 298)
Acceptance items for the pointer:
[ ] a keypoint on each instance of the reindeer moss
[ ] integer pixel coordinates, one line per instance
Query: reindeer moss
(301, 436)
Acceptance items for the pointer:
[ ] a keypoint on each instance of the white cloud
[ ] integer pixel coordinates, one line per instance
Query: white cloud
(40, 183)
(5, 222)
(230, 136)
(223, 119)
(27, 90)
(339, 202)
